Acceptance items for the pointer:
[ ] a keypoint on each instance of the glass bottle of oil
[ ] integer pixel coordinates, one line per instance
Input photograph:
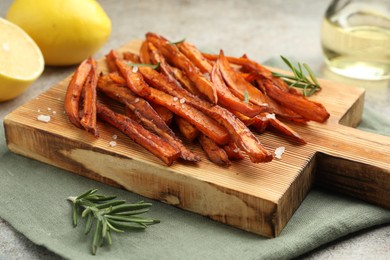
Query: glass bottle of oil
(355, 38)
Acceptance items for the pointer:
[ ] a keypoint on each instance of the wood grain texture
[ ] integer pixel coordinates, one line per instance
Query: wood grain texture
(259, 198)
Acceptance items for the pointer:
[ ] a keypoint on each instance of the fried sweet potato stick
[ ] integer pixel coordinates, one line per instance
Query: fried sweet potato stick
(114, 76)
(159, 81)
(202, 122)
(285, 129)
(254, 75)
(144, 53)
(133, 79)
(248, 121)
(129, 113)
(189, 131)
(195, 56)
(230, 101)
(260, 123)
(111, 57)
(179, 107)
(277, 108)
(215, 153)
(174, 56)
(145, 114)
(151, 142)
(307, 109)
(174, 74)
(73, 92)
(234, 152)
(165, 68)
(164, 113)
(135, 58)
(253, 66)
(310, 110)
(185, 82)
(237, 84)
(88, 120)
(241, 135)
(242, 61)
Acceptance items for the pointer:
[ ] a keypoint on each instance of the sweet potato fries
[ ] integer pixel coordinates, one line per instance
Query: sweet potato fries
(171, 90)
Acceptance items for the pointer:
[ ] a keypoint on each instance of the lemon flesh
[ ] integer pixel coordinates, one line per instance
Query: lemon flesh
(21, 60)
(66, 31)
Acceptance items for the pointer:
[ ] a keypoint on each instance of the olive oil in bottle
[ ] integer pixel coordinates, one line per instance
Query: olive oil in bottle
(356, 39)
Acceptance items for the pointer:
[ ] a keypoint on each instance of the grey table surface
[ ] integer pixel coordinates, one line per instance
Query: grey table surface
(262, 29)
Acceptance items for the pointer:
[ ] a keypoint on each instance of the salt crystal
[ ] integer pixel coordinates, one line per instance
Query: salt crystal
(136, 100)
(182, 100)
(39, 110)
(270, 116)
(49, 108)
(135, 69)
(175, 98)
(112, 143)
(114, 137)
(44, 118)
(54, 112)
(279, 151)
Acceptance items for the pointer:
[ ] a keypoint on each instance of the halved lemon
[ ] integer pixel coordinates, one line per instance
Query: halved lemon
(21, 60)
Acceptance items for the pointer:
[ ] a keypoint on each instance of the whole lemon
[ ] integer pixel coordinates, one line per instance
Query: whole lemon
(66, 31)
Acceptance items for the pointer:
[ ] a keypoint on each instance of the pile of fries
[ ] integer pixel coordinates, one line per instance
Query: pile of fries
(212, 99)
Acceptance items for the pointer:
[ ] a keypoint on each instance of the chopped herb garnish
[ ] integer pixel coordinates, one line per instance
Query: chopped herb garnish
(246, 96)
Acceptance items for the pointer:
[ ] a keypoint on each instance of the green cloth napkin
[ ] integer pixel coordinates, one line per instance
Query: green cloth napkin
(33, 200)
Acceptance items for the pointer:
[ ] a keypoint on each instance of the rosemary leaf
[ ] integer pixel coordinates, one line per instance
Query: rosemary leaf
(110, 204)
(105, 228)
(130, 219)
(96, 238)
(133, 212)
(109, 237)
(129, 207)
(88, 224)
(311, 74)
(89, 192)
(74, 214)
(114, 228)
(86, 211)
(126, 225)
(246, 97)
(100, 198)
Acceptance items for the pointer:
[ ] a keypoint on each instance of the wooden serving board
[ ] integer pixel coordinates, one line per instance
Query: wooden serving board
(259, 198)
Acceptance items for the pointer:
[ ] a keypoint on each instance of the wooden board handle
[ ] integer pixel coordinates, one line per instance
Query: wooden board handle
(356, 163)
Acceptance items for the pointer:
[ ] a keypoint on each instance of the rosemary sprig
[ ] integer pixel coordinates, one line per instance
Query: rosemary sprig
(108, 215)
(300, 80)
